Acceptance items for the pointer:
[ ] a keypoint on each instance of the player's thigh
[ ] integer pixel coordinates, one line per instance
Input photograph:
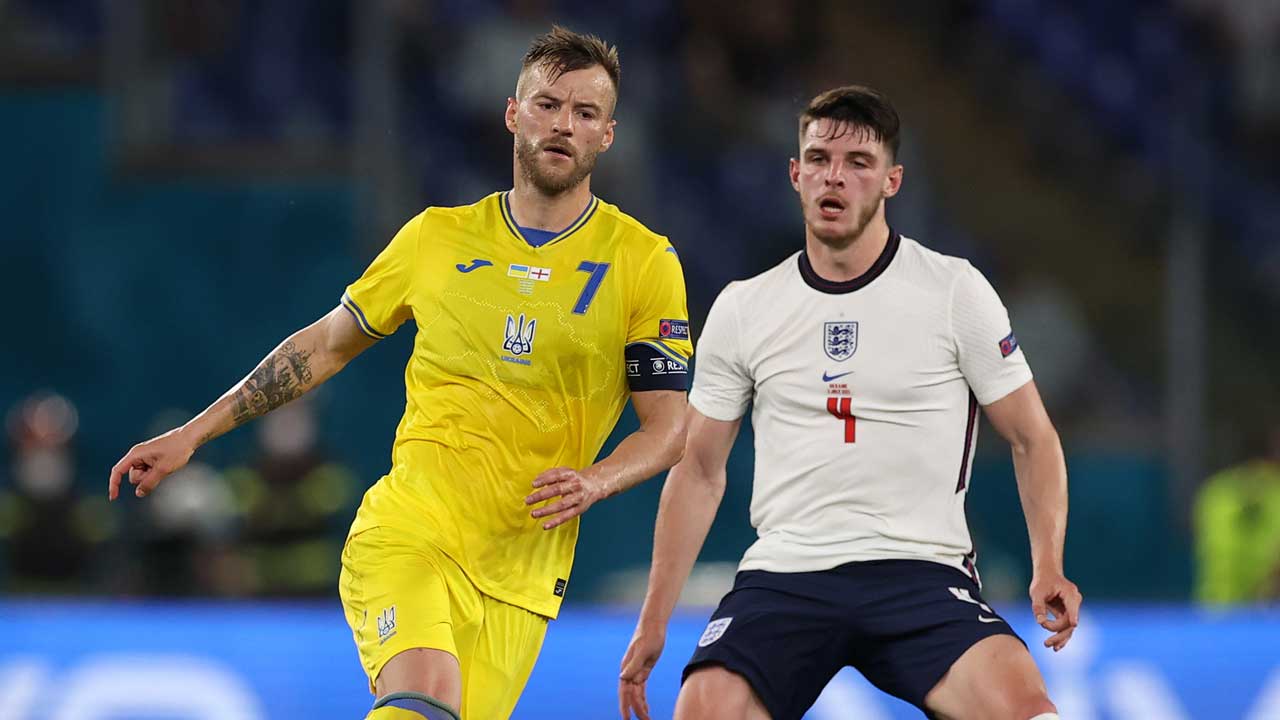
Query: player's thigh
(713, 692)
(434, 673)
(501, 659)
(402, 612)
(995, 679)
(775, 634)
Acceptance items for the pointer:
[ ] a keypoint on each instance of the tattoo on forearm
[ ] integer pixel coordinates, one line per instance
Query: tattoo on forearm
(283, 376)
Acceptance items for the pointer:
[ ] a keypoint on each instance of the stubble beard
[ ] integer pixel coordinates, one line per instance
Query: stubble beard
(527, 155)
(844, 240)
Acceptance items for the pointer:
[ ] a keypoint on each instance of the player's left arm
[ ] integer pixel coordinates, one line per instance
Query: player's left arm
(655, 447)
(657, 355)
(1038, 462)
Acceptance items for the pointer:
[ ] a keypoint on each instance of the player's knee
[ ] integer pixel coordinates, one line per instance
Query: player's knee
(713, 692)
(410, 706)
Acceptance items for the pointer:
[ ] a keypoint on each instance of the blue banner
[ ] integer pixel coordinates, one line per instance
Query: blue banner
(210, 661)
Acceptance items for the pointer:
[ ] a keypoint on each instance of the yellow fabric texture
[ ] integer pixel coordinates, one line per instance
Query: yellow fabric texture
(392, 713)
(400, 593)
(518, 366)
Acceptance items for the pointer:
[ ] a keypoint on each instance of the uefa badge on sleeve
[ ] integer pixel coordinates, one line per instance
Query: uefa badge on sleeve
(1008, 345)
(674, 329)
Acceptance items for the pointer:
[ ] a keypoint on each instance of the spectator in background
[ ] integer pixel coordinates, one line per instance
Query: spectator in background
(295, 503)
(48, 529)
(1237, 525)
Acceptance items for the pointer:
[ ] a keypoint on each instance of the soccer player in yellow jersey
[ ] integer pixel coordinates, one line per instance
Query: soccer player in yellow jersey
(538, 311)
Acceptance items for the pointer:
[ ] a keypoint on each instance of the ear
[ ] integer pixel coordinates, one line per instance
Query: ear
(793, 169)
(893, 181)
(607, 142)
(512, 106)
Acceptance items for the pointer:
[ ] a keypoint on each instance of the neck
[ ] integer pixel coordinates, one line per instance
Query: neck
(841, 264)
(534, 209)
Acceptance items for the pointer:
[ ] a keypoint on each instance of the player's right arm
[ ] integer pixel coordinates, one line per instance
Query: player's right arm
(689, 502)
(298, 365)
(372, 308)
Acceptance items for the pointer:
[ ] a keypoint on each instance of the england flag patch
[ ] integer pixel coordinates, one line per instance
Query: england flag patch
(715, 629)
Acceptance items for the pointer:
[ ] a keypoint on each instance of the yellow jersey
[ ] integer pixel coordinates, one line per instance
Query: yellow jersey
(523, 361)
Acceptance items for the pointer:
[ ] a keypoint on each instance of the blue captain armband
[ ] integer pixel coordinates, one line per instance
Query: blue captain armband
(654, 366)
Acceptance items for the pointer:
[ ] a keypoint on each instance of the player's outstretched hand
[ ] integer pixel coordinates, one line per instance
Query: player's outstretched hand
(642, 655)
(576, 493)
(150, 462)
(1051, 593)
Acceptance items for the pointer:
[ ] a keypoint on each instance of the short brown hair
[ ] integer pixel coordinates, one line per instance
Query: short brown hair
(856, 107)
(563, 50)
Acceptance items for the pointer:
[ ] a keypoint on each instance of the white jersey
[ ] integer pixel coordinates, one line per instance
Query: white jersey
(866, 398)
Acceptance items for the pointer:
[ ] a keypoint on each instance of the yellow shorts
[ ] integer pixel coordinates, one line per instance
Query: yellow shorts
(400, 592)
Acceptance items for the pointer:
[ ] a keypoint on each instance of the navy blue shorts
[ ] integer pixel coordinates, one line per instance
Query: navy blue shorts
(901, 623)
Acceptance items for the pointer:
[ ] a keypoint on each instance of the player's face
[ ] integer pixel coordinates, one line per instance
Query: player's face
(560, 127)
(843, 176)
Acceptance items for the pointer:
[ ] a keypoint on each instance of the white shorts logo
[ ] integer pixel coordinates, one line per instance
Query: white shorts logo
(714, 630)
(964, 596)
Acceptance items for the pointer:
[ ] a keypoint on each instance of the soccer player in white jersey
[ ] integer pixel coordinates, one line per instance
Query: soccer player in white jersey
(865, 357)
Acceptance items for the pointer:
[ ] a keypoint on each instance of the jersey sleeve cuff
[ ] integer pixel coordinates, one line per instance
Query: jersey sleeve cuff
(363, 322)
(997, 391)
(722, 411)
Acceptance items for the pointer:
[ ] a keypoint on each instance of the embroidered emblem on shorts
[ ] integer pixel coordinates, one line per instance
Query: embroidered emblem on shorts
(386, 624)
(715, 629)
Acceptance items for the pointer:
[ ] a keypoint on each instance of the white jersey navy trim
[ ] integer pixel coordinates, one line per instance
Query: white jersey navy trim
(865, 397)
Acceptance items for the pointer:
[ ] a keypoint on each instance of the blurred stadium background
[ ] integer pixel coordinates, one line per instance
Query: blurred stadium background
(185, 182)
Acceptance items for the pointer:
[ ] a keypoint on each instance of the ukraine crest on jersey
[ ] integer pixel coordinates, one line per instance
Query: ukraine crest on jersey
(523, 361)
